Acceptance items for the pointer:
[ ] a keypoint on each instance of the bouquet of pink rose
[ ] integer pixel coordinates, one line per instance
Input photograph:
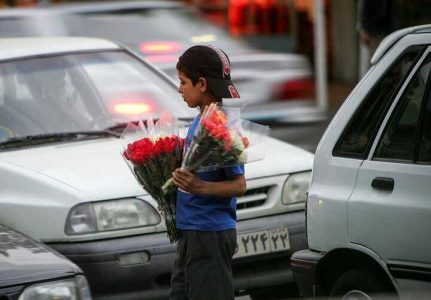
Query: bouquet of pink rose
(152, 159)
(221, 139)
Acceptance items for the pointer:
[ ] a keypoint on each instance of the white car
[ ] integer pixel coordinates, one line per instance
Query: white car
(65, 183)
(276, 87)
(369, 204)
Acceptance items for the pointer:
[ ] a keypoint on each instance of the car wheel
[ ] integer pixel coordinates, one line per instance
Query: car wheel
(360, 284)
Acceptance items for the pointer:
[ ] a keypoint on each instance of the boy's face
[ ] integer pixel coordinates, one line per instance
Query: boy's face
(192, 94)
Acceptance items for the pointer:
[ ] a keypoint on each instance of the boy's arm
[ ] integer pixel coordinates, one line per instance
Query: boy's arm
(190, 183)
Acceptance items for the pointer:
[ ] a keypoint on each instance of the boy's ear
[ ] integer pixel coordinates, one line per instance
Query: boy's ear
(203, 84)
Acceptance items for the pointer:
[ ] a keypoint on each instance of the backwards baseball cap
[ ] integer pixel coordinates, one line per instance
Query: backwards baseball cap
(214, 65)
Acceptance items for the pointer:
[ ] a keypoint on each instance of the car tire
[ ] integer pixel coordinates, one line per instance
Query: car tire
(360, 284)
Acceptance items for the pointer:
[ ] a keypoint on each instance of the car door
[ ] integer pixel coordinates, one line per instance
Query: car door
(389, 210)
(346, 144)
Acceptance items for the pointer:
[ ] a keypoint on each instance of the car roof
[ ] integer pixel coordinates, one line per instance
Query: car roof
(394, 37)
(32, 46)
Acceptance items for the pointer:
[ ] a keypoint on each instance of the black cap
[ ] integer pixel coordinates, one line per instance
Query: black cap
(214, 65)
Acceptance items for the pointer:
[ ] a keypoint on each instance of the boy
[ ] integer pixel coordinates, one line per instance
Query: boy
(206, 201)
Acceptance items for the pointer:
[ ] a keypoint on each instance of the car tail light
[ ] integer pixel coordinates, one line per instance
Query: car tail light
(299, 89)
(132, 106)
(161, 47)
(158, 59)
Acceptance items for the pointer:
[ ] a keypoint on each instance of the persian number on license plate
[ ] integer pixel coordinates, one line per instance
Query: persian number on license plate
(261, 242)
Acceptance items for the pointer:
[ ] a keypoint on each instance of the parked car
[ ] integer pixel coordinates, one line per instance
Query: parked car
(30, 270)
(368, 206)
(274, 86)
(65, 183)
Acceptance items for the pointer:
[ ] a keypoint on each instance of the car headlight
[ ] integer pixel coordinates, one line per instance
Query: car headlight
(110, 215)
(70, 289)
(295, 188)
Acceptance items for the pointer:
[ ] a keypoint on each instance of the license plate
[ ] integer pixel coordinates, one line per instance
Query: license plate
(261, 242)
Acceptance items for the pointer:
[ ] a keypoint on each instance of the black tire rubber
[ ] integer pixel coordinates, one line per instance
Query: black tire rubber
(361, 284)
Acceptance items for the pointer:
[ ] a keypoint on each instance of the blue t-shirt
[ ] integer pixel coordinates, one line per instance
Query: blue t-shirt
(202, 212)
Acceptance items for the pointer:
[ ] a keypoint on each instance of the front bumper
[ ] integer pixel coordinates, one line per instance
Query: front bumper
(109, 279)
(304, 264)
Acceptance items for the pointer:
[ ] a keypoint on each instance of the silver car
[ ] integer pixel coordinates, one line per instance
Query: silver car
(65, 183)
(368, 206)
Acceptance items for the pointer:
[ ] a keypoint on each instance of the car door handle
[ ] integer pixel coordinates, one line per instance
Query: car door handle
(383, 183)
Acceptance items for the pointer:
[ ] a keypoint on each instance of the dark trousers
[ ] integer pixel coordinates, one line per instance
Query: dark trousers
(202, 268)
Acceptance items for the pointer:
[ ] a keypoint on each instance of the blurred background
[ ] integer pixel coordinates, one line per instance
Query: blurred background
(291, 73)
(294, 62)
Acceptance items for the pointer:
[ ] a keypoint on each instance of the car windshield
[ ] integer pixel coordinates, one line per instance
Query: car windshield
(81, 93)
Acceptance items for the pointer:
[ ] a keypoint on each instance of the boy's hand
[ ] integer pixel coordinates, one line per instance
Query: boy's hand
(187, 181)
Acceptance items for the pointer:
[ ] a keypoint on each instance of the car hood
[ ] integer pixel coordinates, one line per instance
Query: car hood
(97, 170)
(22, 260)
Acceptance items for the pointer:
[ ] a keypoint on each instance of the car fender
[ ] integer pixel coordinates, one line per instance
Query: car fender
(357, 250)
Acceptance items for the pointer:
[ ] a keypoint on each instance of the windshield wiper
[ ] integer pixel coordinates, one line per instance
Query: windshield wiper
(118, 126)
(32, 140)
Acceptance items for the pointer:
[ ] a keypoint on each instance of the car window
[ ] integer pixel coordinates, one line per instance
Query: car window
(2, 92)
(4, 131)
(424, 155)
(356, 139)
(49, 79)
(81, 92)
(399, 137)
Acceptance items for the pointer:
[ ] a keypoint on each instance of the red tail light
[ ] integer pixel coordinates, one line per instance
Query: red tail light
(159, 47)
(300, 89)
(159, 59)
(132, 106)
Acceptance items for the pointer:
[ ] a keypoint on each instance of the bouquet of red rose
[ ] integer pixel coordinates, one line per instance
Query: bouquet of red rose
(220, 140)
(152, 160)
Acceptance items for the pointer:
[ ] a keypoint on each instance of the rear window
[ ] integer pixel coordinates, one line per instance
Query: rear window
(424, 154)
(398, 141)
(356, 140)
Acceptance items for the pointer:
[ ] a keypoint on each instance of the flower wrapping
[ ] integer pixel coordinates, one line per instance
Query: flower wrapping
(152, 159)
(221, 139)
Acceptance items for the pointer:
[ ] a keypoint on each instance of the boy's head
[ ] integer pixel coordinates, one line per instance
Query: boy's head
(212, 64)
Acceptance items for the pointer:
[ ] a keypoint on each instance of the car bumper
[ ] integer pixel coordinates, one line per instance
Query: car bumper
(110, 279)
(304, 263)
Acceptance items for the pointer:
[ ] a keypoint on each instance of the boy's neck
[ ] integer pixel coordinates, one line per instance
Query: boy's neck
(208, 102)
